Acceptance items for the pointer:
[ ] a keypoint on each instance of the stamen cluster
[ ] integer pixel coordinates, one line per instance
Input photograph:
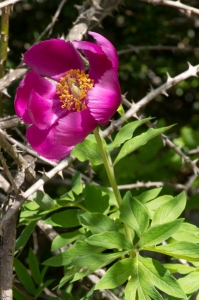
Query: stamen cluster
(73, 89)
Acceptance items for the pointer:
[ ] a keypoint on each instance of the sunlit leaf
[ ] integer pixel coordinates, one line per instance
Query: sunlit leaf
(139, 141)
(116, 275)
(158, 233)
(134, 214)
(170, 210)
(110, 240)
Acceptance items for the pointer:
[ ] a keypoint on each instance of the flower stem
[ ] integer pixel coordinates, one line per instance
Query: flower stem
(111, 175)
(4, 31)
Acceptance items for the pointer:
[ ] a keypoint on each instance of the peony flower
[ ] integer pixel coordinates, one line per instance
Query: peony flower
(60, 101)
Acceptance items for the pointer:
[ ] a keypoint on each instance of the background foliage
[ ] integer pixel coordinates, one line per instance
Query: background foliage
(151, 40)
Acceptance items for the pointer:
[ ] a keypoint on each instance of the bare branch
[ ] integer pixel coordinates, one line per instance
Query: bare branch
(11, 77)
(150, 184)
(157, 48)
(10, 122)
(105, 293)
(176, 4)
(90, 15)
(25, 195)
(18, 158)
(4, 185)
(185, 158)
(8, 2)
(135, 107)
(54, 19)
(6, 170)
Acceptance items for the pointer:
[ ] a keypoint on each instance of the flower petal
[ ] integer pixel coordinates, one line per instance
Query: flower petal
(53, 57)
(98, 61)
(74, 128)
(44, 112)
(44, 143)
(32, 81)
(107, 47)
(104, 98)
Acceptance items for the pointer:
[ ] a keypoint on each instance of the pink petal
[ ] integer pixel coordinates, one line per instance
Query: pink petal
(74, 128)
(107, 47)
(53, 57)
(98, 60)
(44, 112)
(43, 142)
(32, 81)
(104, 98)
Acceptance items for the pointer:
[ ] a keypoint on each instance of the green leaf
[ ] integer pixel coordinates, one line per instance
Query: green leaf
(158, 233)
(147, 288)
(65, 239)
(139, 141)
(140, 287)
(67, 296)
(187, 232)
(179, 268)
(18, 295)
(160, 277)
(65, 258)
(121, 111)
(154, 204)
(88, 295)
(30, 205)
(43, 286)
(77, 184)
(97, 222)
(110, 240)
(131, 288)
(190, 283)
(34, 267)
(24, 277)
(96, 200)
(68, 276)
(88, 150)
(43, 272)
(148, 195)
(185, 250)
(126, 133)
(95, 261)
(134, 214)
(43, 200)
(25, 235)
(116, 275)
(81, 274)
(170, 210)
(67, 218)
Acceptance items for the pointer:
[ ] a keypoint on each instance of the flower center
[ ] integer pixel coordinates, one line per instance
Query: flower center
(73, 89)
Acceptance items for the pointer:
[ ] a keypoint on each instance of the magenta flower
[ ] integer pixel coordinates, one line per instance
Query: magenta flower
(60, 101)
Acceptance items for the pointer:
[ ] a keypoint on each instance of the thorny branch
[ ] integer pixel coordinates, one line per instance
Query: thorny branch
(158, 48)
(91, 13)
(8, 2)
(51, 25)
(25, 195)
(135, 107)
(177, 4)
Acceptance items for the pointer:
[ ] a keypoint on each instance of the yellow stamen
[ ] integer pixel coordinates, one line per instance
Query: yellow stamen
(73, 89)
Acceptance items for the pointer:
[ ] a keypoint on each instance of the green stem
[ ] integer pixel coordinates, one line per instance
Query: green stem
(4, 26)
(111, 175)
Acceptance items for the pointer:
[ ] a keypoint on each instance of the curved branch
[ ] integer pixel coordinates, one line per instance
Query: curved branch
(176, 4)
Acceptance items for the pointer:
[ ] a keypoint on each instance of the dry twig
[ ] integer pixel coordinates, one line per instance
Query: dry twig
(8, 2)
(176, 4)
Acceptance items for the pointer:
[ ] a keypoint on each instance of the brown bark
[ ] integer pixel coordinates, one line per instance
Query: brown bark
(7, 247)
(8, 233)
